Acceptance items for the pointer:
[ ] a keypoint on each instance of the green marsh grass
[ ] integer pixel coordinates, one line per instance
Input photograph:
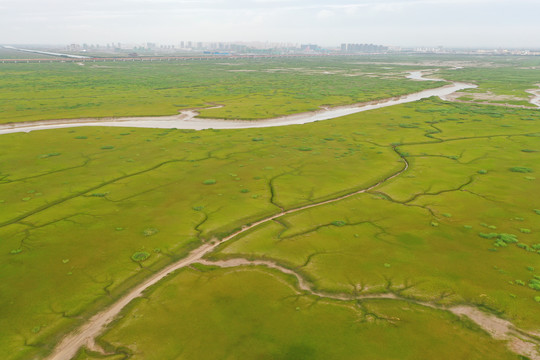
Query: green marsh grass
(99, 207)
(68, 90)
(263, 309)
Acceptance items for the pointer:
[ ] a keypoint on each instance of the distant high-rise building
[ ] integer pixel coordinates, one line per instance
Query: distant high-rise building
(310, 47)
(74, 47)
(363, 48)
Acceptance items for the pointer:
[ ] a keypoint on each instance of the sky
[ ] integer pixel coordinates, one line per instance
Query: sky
(449, 23)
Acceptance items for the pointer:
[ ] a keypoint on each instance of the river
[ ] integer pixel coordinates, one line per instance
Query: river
(187, 118)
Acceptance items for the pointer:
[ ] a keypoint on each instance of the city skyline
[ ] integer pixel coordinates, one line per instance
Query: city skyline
(458, 23)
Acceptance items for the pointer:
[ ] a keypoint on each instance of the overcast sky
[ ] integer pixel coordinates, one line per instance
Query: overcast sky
(468, 23)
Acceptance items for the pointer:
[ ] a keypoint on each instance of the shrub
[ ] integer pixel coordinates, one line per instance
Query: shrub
(244, 191)
(140, 256)
(305, 148)
(488, 236)
(339, 223)
(482, 171)
(107, 147)
(209, 182)
(499, 243)
(508, 238)
(534, 284)
(525, 231)
(521, 169)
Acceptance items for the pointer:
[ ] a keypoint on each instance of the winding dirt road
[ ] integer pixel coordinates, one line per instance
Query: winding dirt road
(85, 335)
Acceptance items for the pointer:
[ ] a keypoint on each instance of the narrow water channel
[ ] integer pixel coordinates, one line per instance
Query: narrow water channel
(187, 119)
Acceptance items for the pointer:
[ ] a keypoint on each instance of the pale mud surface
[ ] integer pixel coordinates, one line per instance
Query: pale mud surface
(535, 99)
(187, 119)
(485, 97)
(489, 98)
(520, 342)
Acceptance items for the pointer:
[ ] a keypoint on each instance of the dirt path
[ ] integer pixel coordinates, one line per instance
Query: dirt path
(519, 341)
(86, 334)
(302, 283)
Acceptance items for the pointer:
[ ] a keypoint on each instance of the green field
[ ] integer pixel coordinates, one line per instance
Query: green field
(248, 89)
(87, 213)
(258, 314)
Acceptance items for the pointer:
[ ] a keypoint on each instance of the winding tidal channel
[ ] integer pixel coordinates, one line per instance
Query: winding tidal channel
(518, 341)
(187, 119)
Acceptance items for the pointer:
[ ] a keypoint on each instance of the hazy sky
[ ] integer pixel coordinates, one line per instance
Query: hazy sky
(490, 23)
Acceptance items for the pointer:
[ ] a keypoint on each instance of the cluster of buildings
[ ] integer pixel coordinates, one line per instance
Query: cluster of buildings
(226, 47)
(255, 47)
(363, 48)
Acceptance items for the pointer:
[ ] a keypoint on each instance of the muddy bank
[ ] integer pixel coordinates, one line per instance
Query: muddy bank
(535, 99)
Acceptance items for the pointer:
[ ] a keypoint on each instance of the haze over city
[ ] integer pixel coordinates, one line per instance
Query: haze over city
(455, 23)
